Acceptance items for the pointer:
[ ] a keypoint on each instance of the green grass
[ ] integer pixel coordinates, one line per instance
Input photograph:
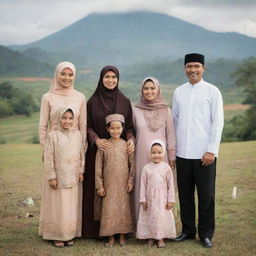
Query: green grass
(21, 129)
(21, 175)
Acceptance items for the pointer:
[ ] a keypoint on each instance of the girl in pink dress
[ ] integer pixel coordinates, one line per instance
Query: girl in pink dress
(157, 197)
(61, 207)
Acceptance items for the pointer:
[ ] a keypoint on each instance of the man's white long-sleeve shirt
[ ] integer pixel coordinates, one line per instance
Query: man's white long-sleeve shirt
(198, 119)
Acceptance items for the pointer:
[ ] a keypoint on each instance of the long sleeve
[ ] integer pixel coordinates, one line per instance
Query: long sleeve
(217, 116)
(170, 137)
(132, 170)
(49, 158)
(82, 159)
(92, 136)
(99, 165)
(143, 186)
(170, 187)
(43, 122)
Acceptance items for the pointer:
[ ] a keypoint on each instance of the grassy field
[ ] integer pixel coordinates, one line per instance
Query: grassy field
(22, 129)
(21, 174)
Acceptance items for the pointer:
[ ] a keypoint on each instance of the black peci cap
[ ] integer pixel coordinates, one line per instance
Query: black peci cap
(194, 57)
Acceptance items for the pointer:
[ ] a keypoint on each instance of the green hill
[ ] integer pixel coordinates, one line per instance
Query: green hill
(14, 63)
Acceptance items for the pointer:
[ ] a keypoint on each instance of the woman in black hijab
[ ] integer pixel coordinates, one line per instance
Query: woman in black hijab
(107, 99)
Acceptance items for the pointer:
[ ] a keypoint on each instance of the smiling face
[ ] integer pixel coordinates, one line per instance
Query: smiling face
(115, 129)
(110, 80)
(149, 90)
(194, 71)
(156, 153)
(67, 120)
(66, 77)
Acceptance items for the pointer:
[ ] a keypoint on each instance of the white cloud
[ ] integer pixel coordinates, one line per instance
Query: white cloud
(24, 21)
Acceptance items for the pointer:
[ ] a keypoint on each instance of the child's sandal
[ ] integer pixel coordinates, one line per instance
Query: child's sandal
(58, 244)
(69, 243)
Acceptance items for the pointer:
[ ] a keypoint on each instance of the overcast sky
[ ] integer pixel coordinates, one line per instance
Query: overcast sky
(25, 21)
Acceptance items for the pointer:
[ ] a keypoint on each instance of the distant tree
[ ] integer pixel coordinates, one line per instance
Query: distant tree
(246, 77)
(6, 90)
(6, 108)
(15, 101)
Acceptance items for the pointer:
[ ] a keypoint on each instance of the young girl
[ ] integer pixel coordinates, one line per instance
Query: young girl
(157, 197)
(60, 216)
(114, 179)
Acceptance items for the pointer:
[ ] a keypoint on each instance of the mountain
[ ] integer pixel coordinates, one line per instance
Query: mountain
(133, 37)
(218, 71)
(14, 63)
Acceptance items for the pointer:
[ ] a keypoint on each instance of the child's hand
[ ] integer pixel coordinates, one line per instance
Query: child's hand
(101, 192)
(145, 205)
(169, 205)
(53, 183)
(130, 146)
(129, 187)
(81, 178)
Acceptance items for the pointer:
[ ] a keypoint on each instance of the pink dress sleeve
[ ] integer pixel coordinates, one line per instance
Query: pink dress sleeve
(43, 122)
(143, 186)
(82, 159)
(49, 158)
(170, 137)
(170, 186)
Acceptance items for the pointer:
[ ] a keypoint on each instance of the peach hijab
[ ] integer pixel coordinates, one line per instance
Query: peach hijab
(155, 111)
(56, 86)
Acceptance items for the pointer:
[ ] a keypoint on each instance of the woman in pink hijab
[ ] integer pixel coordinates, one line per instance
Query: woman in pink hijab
(152, 120)
(62, 94)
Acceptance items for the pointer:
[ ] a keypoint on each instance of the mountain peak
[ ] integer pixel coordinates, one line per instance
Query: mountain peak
(136, 36)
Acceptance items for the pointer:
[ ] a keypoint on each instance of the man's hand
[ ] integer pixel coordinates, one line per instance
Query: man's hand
(207, 159)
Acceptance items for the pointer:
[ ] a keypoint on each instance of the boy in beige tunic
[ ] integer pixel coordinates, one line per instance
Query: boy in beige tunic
(114, 180)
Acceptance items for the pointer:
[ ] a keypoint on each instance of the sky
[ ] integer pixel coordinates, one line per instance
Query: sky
(25, 21)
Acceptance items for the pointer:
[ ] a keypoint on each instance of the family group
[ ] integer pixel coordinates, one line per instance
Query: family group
(111, 169)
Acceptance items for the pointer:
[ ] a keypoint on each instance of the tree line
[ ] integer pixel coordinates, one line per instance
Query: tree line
(243, 126)
(14, 101)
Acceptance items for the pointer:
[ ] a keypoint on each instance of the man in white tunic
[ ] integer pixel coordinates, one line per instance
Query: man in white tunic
(198, 120)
